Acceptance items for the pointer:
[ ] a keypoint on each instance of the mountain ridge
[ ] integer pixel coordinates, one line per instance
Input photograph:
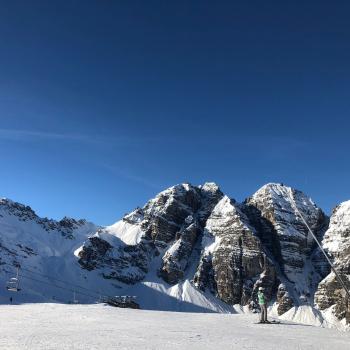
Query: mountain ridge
(192, 244)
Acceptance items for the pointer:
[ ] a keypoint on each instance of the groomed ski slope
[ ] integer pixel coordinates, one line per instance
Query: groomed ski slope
(90, 327)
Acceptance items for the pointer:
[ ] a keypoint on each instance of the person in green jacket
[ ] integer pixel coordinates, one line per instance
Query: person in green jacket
(263, 306)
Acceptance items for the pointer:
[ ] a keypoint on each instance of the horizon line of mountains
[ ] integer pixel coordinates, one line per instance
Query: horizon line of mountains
(198, 238)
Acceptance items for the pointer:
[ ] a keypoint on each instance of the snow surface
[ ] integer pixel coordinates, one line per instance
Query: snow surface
(78, 327)
(128, 229)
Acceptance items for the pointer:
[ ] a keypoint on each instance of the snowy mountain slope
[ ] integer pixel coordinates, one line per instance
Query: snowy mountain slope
(191, 248)
(44, 249)
(129, 229)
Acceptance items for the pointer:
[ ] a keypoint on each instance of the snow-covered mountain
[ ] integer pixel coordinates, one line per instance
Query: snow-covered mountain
(191, 248)
(330, 296)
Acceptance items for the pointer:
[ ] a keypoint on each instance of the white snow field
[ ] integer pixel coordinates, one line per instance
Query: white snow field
(90, 327)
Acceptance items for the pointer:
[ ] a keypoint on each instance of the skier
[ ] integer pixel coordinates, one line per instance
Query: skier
(263, 307)
(11, 300)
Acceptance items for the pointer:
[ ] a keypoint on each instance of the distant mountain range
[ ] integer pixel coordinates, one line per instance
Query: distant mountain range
(191, 248)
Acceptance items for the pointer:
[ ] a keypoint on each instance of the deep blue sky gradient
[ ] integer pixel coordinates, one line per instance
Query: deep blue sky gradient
(105, 103)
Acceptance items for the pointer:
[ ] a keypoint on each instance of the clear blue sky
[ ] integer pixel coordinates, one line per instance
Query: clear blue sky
(105, 103)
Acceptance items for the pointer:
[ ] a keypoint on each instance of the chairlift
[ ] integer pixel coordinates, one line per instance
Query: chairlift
(13, 284)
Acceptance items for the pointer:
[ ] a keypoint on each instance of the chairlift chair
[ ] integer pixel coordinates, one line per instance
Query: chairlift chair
(13, 284)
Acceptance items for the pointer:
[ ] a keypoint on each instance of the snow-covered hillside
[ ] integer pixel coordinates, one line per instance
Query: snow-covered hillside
(78, 327)
(44, 249)
(191, 248)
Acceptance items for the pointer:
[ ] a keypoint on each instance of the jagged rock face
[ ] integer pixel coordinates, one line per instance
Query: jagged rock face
(90, 255)
(176, 258)
(286, 237)
(336, 242)
(170, 224)
(233, 263)
(204, 278)
(164, 215)
(124, 263)
(22, 212)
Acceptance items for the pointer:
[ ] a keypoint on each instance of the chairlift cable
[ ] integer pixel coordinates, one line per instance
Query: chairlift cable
(58, 280)
(49, 277)
(318, 243)
(56, 286)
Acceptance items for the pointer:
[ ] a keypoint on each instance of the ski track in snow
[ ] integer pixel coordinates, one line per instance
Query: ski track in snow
(77, 327)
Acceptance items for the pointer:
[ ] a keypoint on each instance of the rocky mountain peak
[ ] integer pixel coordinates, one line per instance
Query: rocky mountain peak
(280, 195)
(278, 204)
(24, 212)
(71, 223)
(210, 187)
(272, 210)
(177, 190)
(5, 201)
(233, 264)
